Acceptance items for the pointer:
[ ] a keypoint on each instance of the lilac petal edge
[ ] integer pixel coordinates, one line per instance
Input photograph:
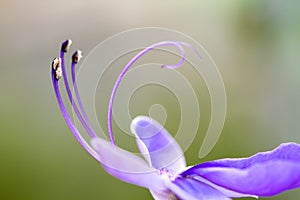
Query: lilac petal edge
(264, 174)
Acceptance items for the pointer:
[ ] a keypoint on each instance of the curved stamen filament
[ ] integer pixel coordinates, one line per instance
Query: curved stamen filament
(191, 47)
(58, 70)
(126, 68)
(89, 130)
(68, 120)
(73, 71)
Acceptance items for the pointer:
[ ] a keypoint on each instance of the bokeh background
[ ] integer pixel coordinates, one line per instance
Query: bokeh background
(255, 44)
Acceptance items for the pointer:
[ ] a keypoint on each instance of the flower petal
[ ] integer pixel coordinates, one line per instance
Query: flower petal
(167, 194)
(127, 166)
(191, 189)
(264, 174)
(158, 147)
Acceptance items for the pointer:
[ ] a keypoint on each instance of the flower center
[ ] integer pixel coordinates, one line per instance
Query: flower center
(168, 172)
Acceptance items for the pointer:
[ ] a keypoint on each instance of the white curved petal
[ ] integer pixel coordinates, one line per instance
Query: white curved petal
(127, 166)
(157, 144)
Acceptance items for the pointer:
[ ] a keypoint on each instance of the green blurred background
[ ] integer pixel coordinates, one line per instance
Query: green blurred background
(255, 44)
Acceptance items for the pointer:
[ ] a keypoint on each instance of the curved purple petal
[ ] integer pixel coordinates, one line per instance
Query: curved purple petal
(158, 147)
(127, 166)
(191, 189)
(264, 174)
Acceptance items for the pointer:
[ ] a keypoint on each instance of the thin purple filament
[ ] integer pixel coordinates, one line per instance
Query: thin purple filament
(192, 48)
(74, 106)
(68, 120)
(126, 68)
(84, 120)
(73, 71)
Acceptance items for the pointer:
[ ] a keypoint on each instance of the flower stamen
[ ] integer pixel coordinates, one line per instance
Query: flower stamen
(68, 120)
(76, 56)
(88, 128)
(56, 67)
(126, 68)
(58, 70)
(75, 59)
(66, 45)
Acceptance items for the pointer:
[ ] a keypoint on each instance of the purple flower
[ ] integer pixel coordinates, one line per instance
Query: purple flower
(163, 170)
